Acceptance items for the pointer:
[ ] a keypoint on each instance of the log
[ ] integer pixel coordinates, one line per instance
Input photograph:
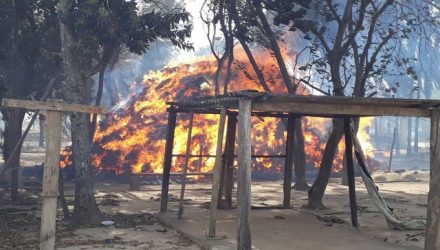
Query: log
(172, 117)
(185, 167)
(288, 166)
(50, 181)
(244, 175)
(216, 175)
(432, 240)
(350, 170)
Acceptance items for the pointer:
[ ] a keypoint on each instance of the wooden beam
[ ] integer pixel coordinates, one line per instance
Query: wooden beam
(341, 109)
(50, 181)
(432, 240)
(176, 174)
(216, 175)
(185, 167)
(350, 170)
(229, 175)
(288, 165)
(56, 106)
(172, 117)
(244, 175)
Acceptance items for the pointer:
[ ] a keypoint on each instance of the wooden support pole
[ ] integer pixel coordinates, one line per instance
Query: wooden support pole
(50, 181)
(185, 167)
(134, 182)
(229, 175)
(288, 166)
(244, 175)
(230, 136)
(172, 117)
(221, 185)
(432, 240)
(216, 174)
(350, 170)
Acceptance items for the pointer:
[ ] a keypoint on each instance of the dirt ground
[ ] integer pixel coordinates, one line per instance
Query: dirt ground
(137, 227)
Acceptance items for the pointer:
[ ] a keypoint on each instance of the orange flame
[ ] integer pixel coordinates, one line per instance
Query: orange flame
(133, 137)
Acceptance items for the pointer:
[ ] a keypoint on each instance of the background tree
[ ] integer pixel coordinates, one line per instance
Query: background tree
(90, 32)
(29, 45)
(353, 47)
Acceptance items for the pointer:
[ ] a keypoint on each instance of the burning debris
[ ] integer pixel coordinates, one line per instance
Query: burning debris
(132, 137)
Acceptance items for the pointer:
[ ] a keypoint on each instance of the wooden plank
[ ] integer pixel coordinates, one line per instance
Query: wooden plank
(288, 165)
(171, 127)
(176, 174)
(244, 175)
(185, 167)
(350, 170)
(229, 175)
(347, 100)
(432, 240)
(322, 109)
(50, 181)
(216, 175)
(56, 106)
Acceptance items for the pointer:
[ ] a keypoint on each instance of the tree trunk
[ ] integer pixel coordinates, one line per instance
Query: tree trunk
(42, 130)
(13, 123)
(409, 137)
(316, 192)
(300, 159)
(416, 135)
(77, 90)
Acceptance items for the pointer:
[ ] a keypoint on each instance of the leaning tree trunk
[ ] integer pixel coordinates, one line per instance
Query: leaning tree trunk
(300, 159)
(316, 192)
(77, 90)
(13, 123)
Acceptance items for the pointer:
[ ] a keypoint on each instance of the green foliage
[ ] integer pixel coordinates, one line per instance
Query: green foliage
(29, 45)
(112, 23)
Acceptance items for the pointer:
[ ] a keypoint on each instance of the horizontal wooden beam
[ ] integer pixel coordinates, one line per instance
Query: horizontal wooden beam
(56, 106)
(336, 108)
(174, 174)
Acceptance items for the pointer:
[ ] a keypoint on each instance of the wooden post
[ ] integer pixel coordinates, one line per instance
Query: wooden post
(134, 182)
(51, 166)
(229, 175)
(230, 136)
(288, 166)
(221, 185)
(432, 240)
(392, 149)
(350, 170)
(185, 167)
(168, 159)
(200, 163)
(244, 175)
(216, 174)
(50, 180)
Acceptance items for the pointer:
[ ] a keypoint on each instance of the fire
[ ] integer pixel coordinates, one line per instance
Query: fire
(66, 157)
(132, 137)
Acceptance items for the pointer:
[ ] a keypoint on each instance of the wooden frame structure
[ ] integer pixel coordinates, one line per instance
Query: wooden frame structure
(49, 194)
(247, 103)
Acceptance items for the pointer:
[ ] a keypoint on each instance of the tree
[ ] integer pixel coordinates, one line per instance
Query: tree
(352, 48)
(248, 24)
(90, 33)
(27, 53)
